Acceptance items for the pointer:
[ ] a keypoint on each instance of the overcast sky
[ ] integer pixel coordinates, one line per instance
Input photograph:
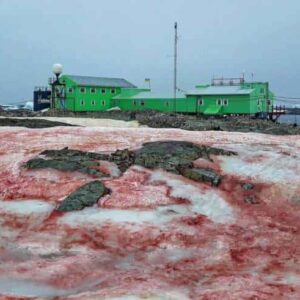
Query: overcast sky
(134, 39)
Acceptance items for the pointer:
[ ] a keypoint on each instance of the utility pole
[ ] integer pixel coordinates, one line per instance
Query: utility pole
(175, 65)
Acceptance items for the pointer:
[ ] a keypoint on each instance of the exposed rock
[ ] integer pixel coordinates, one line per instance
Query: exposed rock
(251, 199)
(76, 155)
(159, 120)
(247, 186)
(173, 156)
(65, 165)
(31, 123)
(197, 174)
(123, 159)
(169, 155)
(86, 195)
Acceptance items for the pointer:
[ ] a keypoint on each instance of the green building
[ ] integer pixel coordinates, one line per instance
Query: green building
(221, 97)
(86, 93)
(231, 97)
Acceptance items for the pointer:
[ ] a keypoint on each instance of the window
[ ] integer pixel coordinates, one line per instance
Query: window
(222, 102)
(93, 102)
(142, 103)
(82, 102)
(82, 90)
(103, 91)
(70, 90)
(103, 103)
(93, 90)
(167, 103)
(113, 91)
(134, 102)
(200, 102)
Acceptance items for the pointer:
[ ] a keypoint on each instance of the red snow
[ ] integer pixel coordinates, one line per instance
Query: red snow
(157, 235)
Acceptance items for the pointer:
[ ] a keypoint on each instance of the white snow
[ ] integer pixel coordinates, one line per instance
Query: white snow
(208, 203)
(98, 216)
(25, 207)
(265, 165)
(21, 287)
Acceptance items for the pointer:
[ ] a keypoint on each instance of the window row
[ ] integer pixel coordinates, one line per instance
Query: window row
(92, 90)
(93, 102)
(142, 103)
(222, 102)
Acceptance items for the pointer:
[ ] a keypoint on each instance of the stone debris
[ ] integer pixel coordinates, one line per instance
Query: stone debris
(154, 119)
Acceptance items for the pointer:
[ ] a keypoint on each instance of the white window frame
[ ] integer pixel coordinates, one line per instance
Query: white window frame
(82, 102)
(225, 102)
(93, 102)
(84, 90)
(200, 101)
(103, 91)
(93, 90)
(103, 102)
(219, 102)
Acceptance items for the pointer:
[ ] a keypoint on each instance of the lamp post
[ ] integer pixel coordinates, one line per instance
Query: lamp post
(57, 70)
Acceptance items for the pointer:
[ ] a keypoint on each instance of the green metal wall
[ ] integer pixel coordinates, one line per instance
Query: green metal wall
(87, 101)
(255, 102)
(159, 104)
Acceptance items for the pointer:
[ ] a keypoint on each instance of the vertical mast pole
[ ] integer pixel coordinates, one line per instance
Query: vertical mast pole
(175, 65)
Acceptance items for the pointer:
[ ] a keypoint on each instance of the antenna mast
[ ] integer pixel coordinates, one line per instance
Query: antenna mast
(175, 65)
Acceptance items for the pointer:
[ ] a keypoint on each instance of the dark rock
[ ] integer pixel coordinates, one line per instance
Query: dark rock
(64, 165)
(123, 159)
(169, 155)
(31, 123)
(251, 199)
(173, 156)
(197, 174)
(86, 195)
(75, 155)
(247, 186)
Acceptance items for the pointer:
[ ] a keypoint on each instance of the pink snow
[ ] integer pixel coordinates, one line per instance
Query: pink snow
(157, 235)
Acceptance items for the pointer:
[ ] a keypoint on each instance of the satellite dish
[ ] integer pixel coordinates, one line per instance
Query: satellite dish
(57, 69)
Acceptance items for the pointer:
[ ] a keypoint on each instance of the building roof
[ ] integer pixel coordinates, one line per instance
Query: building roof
(101, 81)
(221, 90)
(149, 95)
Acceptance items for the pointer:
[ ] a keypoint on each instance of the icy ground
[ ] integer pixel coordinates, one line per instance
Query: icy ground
(157, 235)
